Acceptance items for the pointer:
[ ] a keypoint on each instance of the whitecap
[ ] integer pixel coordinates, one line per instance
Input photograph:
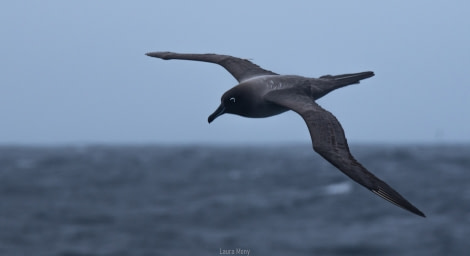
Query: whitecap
(338, 188)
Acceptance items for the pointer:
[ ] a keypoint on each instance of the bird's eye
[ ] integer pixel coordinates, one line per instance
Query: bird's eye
(232, 99)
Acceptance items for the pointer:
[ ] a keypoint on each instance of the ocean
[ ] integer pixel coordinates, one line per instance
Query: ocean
(229, 200)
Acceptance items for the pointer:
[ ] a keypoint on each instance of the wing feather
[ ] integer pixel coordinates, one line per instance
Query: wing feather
(241, 69)
(329, 141)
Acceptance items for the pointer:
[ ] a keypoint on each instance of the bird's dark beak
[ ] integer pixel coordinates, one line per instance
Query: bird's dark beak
(219, 111)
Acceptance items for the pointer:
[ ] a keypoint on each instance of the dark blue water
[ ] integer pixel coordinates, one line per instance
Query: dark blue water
(194, 200)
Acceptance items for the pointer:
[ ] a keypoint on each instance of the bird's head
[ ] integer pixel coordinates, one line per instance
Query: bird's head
(231, 102)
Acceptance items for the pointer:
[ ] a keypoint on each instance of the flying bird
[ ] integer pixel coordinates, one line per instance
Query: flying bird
(263, 93)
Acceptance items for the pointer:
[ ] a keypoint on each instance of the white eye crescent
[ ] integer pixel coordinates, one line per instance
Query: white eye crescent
(232, 99)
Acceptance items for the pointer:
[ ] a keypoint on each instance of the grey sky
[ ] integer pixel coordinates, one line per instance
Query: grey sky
(75, 72)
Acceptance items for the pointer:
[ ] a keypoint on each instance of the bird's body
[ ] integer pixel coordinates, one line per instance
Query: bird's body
(251, 92)
(263, 93)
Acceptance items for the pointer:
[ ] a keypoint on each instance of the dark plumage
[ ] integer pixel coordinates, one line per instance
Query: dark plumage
(262, 93)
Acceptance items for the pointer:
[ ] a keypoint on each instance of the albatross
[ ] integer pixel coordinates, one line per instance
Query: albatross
(263, 93)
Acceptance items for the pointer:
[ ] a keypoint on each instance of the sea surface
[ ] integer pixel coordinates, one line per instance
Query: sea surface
(230, 200)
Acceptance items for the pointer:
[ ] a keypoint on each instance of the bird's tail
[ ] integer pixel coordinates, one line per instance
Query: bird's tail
(338, 81)
(347, 79)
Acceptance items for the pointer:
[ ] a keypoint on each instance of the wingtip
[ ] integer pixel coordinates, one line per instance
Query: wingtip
(161, 55)
(415, 211)
(152, 54)
(398, 200)
(369, 74)
(419, 213)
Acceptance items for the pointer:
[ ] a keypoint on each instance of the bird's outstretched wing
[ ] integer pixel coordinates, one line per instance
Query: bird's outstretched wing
(329, 141)
(241, 69)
